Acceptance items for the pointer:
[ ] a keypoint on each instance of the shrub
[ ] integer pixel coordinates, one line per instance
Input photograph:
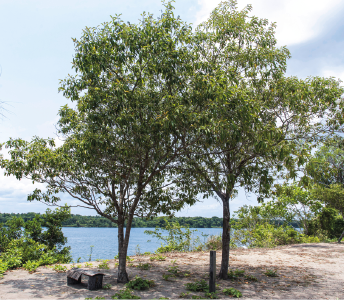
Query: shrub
(31, 266)
(59, 268)
(140, 284)
(235, 274)
(232, 292)
(145, 266)
(197, 286)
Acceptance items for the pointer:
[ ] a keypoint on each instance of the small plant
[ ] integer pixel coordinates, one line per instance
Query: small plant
(174, 261)
(78, 260)
(130, 265)
(167, 276)
(196, 297)
(107, 286)
(90, 255)
(137, 250)
(104, 264)
(59, 268)
(145, 266)
(125, 294)
(78, 266)
(148, 253)
(197, 286)
(31, 266)
(232, 292)
(184, 295)
(271, 273)
(140, 284)
(88, 265)
(211, 295)
(98, 297)
(251, 278)
(116, 264)
(158, 257)
(233, 275)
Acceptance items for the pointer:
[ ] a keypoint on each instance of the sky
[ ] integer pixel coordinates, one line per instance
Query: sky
(36, 50)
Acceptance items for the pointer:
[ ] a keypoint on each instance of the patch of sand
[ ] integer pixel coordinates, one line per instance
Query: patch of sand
(305, 271)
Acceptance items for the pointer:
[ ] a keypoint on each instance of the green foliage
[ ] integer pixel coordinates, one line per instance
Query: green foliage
(213, 295)
(31, 266)
(158, 257)
(125, 294)
(88, 265)
(145, 266)
(178, 239)
(271, 273)
(232, 292)
(59, 268)
(107, 286)
(140, 284)
(104, 264)
(233, 275)
(3, 267)
(251, 277)
(31, 247)
(254, 229)
(197, 286)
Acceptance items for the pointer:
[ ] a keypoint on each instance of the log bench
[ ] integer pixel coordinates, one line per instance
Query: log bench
(95, 279)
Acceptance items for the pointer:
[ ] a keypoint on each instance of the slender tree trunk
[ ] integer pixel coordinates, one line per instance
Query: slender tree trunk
(341, 236)
(122, 276)
(225, 238)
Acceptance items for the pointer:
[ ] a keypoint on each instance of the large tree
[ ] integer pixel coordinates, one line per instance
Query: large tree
(261, 119)
(135, 102)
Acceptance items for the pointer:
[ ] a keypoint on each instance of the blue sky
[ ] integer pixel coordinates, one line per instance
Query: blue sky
(36, 51)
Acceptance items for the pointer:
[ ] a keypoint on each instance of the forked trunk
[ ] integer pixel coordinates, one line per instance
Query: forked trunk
(122, 276)
(225, 238)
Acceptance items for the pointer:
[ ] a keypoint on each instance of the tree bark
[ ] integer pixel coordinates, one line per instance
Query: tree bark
(122, 276)
(341, 236)
(225, 238)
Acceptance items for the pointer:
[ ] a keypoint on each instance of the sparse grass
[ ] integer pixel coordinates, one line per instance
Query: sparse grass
(158, 257)
(271, 273)
(251, 278)
(145, 266)
(125, 294)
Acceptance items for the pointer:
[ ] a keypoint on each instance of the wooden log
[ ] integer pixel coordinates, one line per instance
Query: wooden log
(212, 272)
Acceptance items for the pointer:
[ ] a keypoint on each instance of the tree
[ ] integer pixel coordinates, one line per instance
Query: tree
(134, 102)
(326, 172)
(261, 119)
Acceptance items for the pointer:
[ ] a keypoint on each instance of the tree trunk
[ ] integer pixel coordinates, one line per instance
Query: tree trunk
(122, 276)
(341, 236)
(225, 238)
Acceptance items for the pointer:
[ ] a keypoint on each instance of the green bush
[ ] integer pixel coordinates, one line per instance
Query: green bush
(33, 247)
(232, 292)
(197, 286)
(140, 284)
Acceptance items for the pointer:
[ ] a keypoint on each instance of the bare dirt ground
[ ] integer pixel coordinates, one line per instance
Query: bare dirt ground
(306, 271)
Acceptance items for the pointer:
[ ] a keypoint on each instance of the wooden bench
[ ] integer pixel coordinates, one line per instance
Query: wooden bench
(95, 280)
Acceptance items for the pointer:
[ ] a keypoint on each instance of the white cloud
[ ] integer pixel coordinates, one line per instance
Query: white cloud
(297, 20)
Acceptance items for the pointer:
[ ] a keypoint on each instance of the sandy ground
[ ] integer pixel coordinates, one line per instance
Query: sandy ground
(306, 271)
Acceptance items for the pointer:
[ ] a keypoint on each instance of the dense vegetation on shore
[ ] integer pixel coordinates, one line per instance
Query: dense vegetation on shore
(97, 221)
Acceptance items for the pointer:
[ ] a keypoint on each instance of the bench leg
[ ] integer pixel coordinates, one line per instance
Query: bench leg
(71, 281)
(95, 282)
